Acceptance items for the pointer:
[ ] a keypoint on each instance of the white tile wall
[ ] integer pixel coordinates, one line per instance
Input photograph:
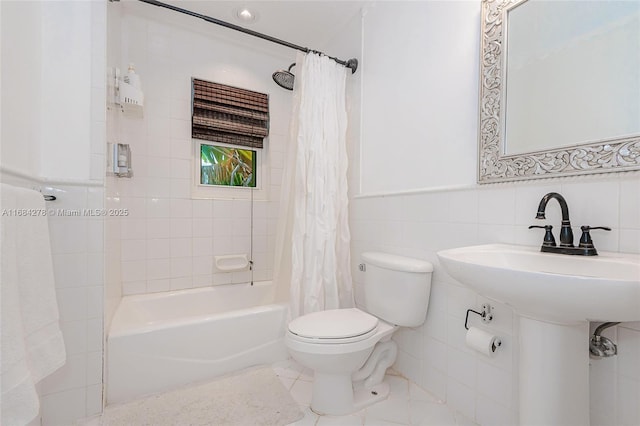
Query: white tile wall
(150, 246)
(627, 379)
(168, 240)
(421, 224)
(75, 390)
(113, 224)
(485, 389)
(78, 249)
(603, 378)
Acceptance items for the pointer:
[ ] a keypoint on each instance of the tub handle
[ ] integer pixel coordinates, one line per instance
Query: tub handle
(232, 262)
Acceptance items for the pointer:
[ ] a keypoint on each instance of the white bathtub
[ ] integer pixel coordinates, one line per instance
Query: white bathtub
(162, 341)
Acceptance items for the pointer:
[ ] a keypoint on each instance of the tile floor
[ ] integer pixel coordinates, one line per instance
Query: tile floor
(407, 403)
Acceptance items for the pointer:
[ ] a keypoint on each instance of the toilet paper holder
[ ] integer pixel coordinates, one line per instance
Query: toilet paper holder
(486, 314)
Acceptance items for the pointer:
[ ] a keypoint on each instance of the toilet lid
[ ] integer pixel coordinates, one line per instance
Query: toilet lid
(334, 324)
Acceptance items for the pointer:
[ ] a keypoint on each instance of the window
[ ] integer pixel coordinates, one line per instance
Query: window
(214, 163)
(228, 127)
(227, 166)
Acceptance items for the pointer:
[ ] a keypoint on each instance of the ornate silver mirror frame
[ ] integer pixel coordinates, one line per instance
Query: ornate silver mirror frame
(611, 155)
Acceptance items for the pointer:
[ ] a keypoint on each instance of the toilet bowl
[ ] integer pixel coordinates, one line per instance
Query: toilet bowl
(350, 349)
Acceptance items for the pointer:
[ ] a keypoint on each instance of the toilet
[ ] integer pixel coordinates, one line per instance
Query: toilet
(350, 349)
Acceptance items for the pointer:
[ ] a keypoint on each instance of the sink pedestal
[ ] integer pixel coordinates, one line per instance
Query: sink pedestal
(554, 373)
(561, 292)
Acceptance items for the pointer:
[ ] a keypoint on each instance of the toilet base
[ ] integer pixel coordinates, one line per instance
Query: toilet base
(342, 399)
(364, 397)
(332, 394)
(338, 393)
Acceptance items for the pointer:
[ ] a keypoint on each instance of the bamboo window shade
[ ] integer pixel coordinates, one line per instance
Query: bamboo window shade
(229, 114)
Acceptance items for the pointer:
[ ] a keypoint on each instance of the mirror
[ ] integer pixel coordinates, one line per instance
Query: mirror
(560, 88)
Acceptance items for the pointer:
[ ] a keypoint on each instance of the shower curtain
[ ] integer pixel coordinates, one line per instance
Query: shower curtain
(312, 244)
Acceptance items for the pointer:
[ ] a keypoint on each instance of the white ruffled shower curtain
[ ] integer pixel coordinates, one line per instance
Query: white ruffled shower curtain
(312, 244)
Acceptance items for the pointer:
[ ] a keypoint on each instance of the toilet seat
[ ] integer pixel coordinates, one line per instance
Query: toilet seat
(334, 326)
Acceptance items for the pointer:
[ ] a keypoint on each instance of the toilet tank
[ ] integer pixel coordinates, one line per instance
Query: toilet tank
(396, 288)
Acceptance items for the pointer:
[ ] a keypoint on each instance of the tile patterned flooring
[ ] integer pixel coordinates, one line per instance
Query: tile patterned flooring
(407, 403)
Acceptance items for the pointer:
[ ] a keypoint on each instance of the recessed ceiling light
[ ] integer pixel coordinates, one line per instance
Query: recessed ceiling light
(245, 15)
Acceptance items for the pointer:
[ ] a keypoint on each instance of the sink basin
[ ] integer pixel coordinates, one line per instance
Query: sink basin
(550, 287)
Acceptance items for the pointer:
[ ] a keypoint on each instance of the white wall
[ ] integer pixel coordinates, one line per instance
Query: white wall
(447, 214)
(65, 78)
(21, 65)
(47, 88)
(169, 240)
(434, 355)
(112, 276)
(53, 133)
(420, 91)
(345, 44)
(75, 390)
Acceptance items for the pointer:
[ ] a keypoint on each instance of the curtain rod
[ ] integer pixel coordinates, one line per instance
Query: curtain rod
(352, 63)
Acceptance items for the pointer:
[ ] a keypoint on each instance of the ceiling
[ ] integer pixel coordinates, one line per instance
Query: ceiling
(306, 23)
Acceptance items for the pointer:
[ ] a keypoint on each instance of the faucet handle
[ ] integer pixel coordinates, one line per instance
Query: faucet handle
(585, 239)
(548, 241)
(588, 228)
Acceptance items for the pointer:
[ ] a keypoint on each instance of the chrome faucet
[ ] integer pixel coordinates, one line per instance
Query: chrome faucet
(585, 248)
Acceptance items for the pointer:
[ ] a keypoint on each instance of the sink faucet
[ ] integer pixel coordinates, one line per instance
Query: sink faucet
(585, 248)
(566, 234)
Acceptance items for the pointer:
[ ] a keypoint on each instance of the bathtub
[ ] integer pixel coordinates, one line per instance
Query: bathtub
(161, 341)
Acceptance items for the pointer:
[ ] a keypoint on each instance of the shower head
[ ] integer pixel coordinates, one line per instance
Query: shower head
(284, 78)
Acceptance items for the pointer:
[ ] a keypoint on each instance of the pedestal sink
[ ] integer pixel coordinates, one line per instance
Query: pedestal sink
(556, 296)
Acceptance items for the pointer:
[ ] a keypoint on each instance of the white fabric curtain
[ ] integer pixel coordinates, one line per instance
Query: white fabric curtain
(312, 246)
